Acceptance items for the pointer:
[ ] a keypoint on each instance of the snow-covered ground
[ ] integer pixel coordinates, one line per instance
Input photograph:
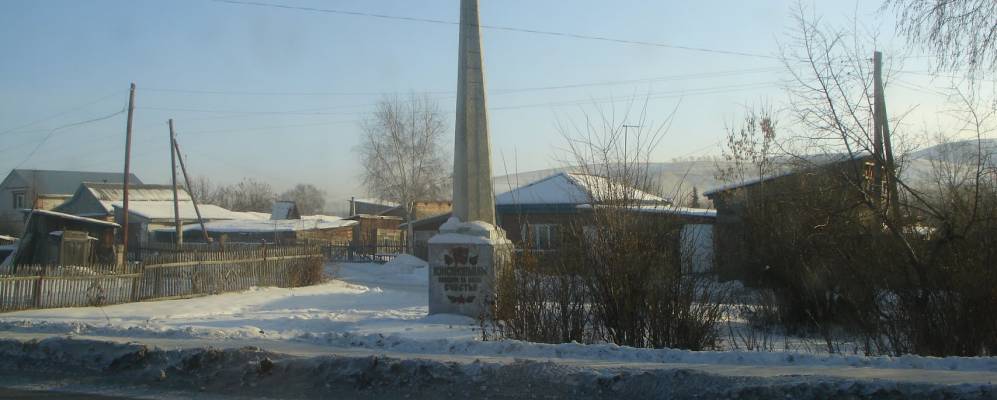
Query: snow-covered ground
(366, 299)
(381, 309)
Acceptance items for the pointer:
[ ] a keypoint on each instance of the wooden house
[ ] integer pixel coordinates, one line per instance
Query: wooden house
(817, 185)
(97, 199)
(538, 211)
(144, 217)
(29, 189)
(317, 229)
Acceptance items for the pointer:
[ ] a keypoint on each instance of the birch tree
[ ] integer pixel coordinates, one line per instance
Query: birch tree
(404, 152)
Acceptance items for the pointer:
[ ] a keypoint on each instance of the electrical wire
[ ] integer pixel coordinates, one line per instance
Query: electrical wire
(50, 133)
(59, 114)
(499, 28)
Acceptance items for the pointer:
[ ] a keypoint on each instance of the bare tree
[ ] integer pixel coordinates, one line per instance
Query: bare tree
(403, 152)
(204, 191)
(310, 199)
(962, 33)
(250, 195)
(902, 272)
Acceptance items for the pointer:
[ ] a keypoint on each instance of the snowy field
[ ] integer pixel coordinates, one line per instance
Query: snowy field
(366, 309)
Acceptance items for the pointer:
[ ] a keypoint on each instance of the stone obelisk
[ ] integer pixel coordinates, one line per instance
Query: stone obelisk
(473, 199)
(463, 258)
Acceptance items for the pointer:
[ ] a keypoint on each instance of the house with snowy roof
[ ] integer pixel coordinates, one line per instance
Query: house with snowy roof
(538, 210)
(317, 228)
(144, 217)
(96, 199)
(31, 189)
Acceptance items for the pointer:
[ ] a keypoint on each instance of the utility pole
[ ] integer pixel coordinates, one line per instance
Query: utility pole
(186, 179)
(176, 200)
(877, 122)
(128, 156)
(885, 145)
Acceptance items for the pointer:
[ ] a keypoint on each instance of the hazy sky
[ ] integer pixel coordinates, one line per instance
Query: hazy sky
(277, 94)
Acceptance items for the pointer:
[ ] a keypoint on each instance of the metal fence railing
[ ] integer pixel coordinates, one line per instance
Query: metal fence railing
(379, 252)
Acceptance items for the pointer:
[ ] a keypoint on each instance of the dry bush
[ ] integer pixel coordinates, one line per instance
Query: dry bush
(617, 272)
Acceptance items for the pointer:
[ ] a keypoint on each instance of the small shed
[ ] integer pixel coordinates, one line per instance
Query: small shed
(55, 238)
(371, 230)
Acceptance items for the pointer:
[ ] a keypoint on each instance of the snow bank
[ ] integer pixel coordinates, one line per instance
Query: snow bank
(383, 307)
(254, 372)
(402, 270)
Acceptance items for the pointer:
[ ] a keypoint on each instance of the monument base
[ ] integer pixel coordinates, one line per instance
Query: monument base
(463, 259)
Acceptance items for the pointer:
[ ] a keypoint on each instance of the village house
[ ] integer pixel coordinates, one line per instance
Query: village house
(96, 200)
(28, 189)
(284, 226)
(308, 229)
(145, 217)
(831, 180)
(538, 211)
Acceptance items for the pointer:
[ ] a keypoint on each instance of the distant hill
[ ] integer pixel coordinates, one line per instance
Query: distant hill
(676, 179)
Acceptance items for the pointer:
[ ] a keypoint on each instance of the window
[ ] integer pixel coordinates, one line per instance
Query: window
(540, 236)
(19, 200)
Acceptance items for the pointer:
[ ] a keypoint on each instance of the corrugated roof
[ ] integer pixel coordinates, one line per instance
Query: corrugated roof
(140, 192)
(66, 182)
(109, 193)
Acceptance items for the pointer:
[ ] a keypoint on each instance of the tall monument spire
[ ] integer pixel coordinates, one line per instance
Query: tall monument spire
(473, 198)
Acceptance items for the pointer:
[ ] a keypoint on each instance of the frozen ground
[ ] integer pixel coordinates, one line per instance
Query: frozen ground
(378, 312)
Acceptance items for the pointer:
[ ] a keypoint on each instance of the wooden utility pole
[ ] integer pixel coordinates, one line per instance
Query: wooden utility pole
(885, 146)
(186, 179)
(176, 200)
(877, 122)
(128, 156)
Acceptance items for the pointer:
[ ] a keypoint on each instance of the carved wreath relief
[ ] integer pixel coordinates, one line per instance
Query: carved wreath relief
(460, 275)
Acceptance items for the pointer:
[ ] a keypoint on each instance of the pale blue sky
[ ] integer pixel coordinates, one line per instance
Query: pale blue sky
(59, 55)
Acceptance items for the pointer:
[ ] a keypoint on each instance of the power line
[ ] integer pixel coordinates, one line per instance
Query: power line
(699, 75)
(649, 96)
(499, 28)
(61, 113)
(50, 133)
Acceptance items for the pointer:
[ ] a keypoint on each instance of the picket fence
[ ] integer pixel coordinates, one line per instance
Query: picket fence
(161, 275)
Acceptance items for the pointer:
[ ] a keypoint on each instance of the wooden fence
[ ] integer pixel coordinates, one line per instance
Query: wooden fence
(163, 276)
